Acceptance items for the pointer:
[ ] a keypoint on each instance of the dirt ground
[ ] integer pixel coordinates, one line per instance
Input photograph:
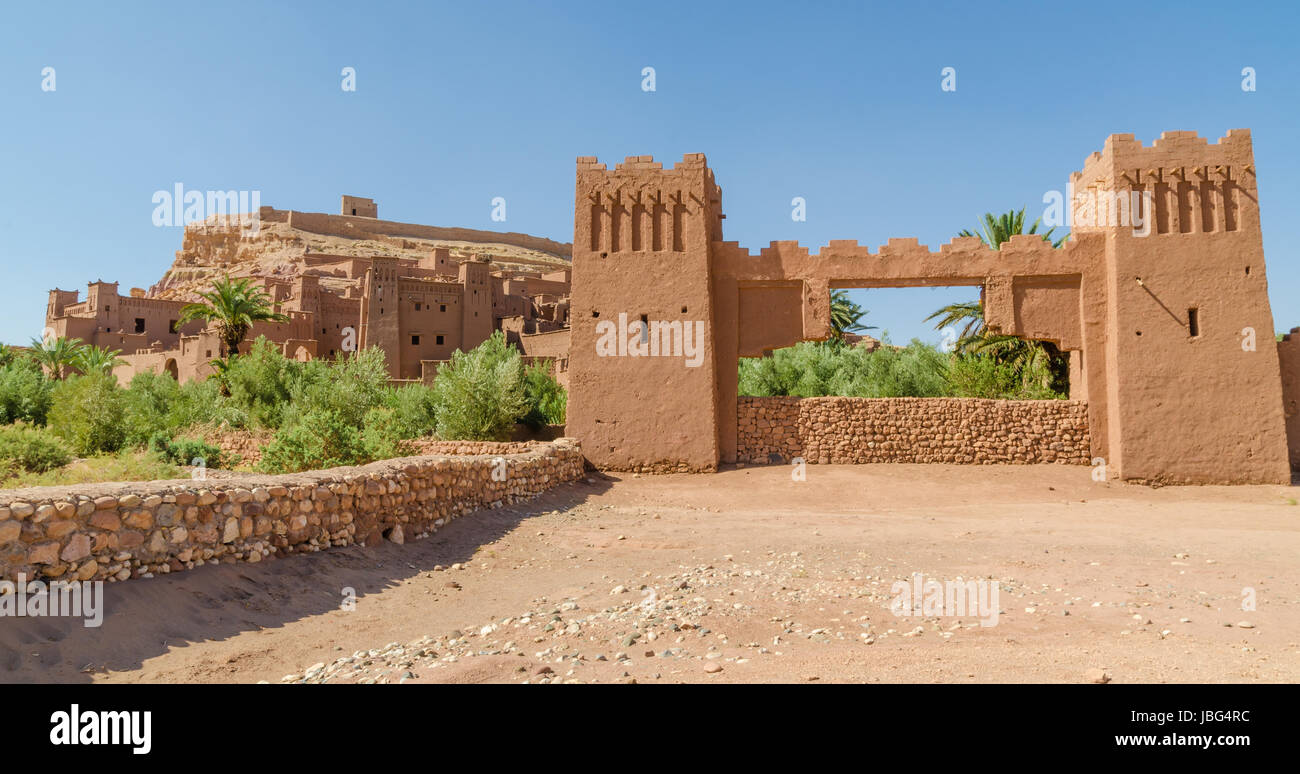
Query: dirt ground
(742, 576)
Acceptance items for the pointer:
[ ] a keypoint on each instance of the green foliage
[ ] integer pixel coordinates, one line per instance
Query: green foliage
(92, 360)
(997, 229)
(260, 382)
(479, 395)
(56, 356)
(317, 440)
(812, 369)
(546, 399)
(25, 392)
(30, 450)
(233, 305)
(184, 451)
(88, 412)
(274, 391)
(414, 413)
(349, 386)
(983, 376)
(123, 466)
(846, 316)
(383, 435)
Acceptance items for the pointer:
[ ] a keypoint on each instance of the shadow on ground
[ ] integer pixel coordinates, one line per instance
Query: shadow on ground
(144, 618)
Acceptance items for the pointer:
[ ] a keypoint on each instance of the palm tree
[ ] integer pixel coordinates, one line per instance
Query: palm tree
(234, 305)
(97, 360)
(56, 355)
(846, 316)
(1026, 356)
(1000, 228)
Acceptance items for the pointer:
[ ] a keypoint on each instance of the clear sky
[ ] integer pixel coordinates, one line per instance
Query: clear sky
(458, 103)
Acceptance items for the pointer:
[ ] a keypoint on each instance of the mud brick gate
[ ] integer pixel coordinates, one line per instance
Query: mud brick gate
(1169, 335)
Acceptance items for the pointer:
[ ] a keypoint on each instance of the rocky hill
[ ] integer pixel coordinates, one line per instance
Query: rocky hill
(217, 247)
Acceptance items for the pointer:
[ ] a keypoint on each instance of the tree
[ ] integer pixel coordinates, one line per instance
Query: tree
(1035, 361)
(56, 356)
(1000, 228)
(91, 359)
(234, 305)
(846, 316)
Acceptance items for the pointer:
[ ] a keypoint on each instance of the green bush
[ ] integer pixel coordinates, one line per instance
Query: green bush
(382, 435)
(318, 440)
(31, 450)
(260, 382)
(814, 369)
(25, 392)
(979, 376)
(148, 404)
(184, 451)
(479, 395)
(348, 386)
(88, 412)
(546, 398)
(414, 410)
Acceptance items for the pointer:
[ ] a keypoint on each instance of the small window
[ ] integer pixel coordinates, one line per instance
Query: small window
(437, 340)
(171, 326)
(354, 210)
(139, 325)
(415, 340)
(417, 306)
(442, 307)
(209, 353)
(1193, 322)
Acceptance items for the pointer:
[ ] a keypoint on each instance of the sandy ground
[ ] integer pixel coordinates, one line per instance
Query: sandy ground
(743, 576)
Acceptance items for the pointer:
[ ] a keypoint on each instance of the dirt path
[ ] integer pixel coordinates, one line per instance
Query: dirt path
(741, 576)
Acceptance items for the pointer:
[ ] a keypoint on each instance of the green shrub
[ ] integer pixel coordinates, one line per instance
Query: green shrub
(149, 404)
(414, 410)
(980, 376)
(87, 412)
(546, 398)
(25, 392)
(382, 435)
(814, 369)
(318, 440)
(479, 395)
(30, 450)
(260, 381)
(185, 451)
(348, 386)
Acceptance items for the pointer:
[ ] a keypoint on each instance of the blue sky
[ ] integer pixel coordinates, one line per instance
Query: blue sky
(457, 103)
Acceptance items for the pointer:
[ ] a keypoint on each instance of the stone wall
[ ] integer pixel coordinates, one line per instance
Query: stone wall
(954, 430)
(123, 530)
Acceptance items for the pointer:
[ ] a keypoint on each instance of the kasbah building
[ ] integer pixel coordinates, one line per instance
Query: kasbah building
(418, 310)
(1173, 363)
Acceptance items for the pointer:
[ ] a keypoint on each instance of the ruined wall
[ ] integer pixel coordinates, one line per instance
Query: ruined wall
(124, 530)
(360, 228)
(952, 430)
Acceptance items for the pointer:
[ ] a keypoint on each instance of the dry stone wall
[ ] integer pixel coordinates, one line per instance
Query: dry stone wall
(124, 530)
(952, 430)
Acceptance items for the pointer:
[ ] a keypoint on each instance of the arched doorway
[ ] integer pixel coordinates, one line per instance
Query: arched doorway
(171, 369)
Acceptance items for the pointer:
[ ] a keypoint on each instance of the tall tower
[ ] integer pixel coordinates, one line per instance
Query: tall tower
(381, 318)
(1192, 384)
(641, 252)
(476, 309)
